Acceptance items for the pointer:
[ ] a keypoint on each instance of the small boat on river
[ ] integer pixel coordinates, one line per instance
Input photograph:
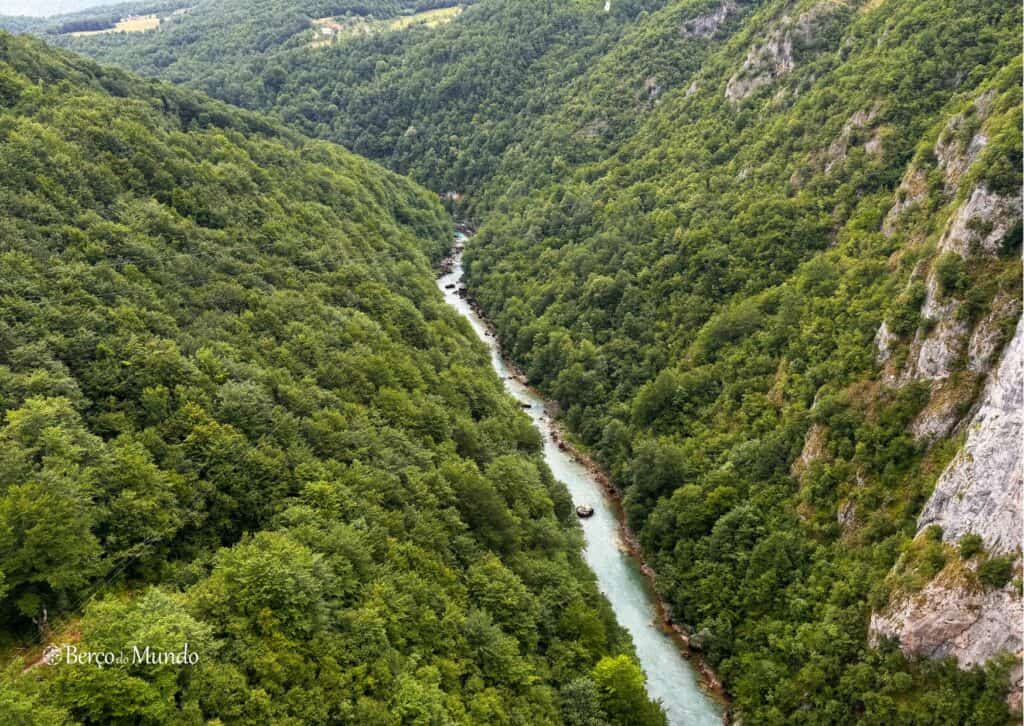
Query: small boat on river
(584, 510)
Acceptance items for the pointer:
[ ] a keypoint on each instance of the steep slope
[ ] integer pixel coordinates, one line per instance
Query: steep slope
(703, 304)
(237, 415)
(510, 91)
(440, 104)
(219, 46)
(971, 609)
(765, 255)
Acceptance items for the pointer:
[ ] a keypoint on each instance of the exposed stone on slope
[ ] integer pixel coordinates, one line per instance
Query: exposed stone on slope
(980, 491)
(939, 343)
(953, 155)
(977, 227)
(763, 65)
(885, 340)
(773, 59)
(913, 188)
(951, 618)
(873, 146)
(814, 447)
(988, 334)
(652, 88)
(846, 514)
(839, 147)
(945, 408)
(981, 223)
(704, 26)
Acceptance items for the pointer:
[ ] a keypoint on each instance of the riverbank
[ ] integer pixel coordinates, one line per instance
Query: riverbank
(708, 678)
(626, 541)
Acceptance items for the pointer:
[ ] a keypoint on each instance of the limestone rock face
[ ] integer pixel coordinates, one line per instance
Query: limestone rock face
(976, 229)
(987, 334)
(884, 341)
(941, 416)
(913, 188)
(814, 448)
(773, 59)
(983, 220)
(837, 150)
(934, 353)
(705, 26)
(946, 619)
(980, 491)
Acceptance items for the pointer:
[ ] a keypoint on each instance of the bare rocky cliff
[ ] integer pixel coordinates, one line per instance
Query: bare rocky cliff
(976, 381)
(978, 493)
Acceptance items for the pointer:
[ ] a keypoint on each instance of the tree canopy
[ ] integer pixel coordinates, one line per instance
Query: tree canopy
(238, 415)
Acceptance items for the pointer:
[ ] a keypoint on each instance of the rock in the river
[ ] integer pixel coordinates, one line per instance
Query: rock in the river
(584, 511)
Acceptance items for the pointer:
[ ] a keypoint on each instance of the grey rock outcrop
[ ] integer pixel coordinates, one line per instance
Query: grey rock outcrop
(837, 150)
(949, 619)
(773, 58)
(980, 490)
(980, 493)
(885, 340)
(704, 26)
(981, 223)
(987, 334)
(976, 228)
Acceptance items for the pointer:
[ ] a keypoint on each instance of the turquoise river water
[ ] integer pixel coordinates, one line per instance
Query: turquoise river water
(670, 677)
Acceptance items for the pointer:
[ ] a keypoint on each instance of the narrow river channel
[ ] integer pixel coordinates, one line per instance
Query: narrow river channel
(670, 677)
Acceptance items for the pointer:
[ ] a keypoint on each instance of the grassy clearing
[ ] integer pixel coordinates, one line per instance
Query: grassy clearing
(327, 30)
(137, 24)
(429, 18)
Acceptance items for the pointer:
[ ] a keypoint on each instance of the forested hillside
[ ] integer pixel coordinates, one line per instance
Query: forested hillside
(230, 48)
(766, 256)
(705, 305)
(237, 414)
(440, 104)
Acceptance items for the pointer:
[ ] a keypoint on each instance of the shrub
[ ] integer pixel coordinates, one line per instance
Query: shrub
(970, 545)
(995, 572)
(951, 272)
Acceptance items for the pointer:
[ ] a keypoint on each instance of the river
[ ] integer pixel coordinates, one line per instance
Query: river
(670, 677)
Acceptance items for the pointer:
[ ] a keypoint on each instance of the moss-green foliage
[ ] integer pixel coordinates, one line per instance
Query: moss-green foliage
(442, 104)
(700, 299)
(951, 273)
(699, 282)
(237, 413)
(995, 572)
(241, 51)
(970, 545)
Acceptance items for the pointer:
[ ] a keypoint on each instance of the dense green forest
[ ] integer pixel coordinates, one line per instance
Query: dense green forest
(237, 414)
(707, 298)
(442, 105)
(697, 219)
